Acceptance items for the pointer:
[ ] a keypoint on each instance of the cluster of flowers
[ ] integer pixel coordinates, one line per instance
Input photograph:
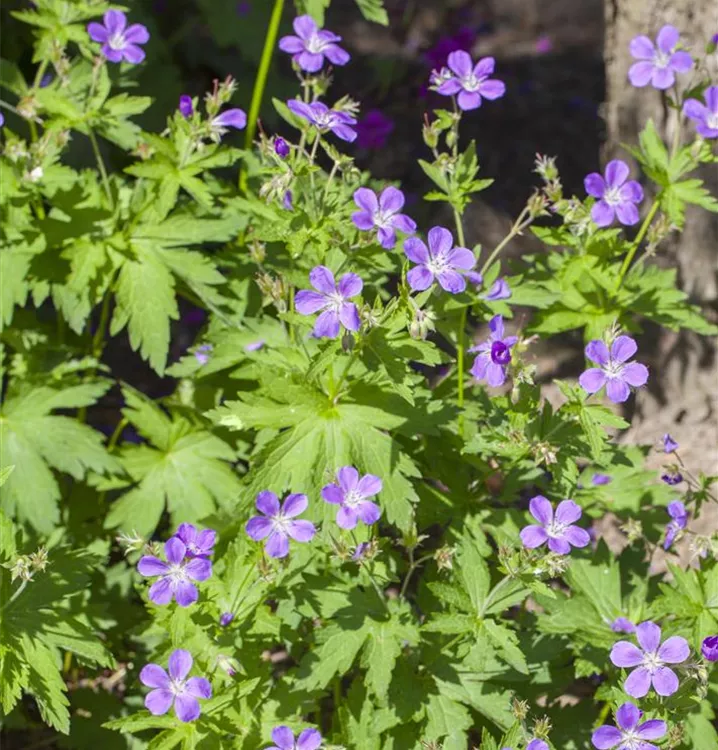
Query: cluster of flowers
(188, 552)
(278, 523)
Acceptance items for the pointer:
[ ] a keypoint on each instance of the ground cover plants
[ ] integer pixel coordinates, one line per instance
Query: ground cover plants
(354, 520)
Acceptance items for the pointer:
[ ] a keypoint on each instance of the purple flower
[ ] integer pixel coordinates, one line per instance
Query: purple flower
(679, 520)
(311, 45)
(614, 371)
(175, 687)
(198, 543)
(186, 107)
(333, 299)
(669, 444)
(629, 733)
(709, 648)
(599, 480)
(202, 353)
(281, 147)
(2, 119)
(623, 625)
(255, 346)
(471, 82)
(616, 197)
(494, 354)
(119, 41)
(499, 290)
(360, 551)
(351, 494)
(658, 63)
(544, 44)
(537, 745)
(230, 118)
(558, 530)
(650, 660)
(374, 129)
(283, 739)
(278, 523)
(705, 116)
(672, 478)
(437, 55)
(382, 214)
(325, 119)
(175, 575)
(226, 618)
(440, 261)
(287, 201)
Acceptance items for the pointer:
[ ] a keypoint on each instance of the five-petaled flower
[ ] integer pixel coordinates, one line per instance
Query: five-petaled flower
(616, 197)
(650, 661)
(333, 299)
(709, 648)
(175, 575)
(629, 734)
(705, 116)
(471, 82)
(175, 687)
(325, 119)
(198, 543)
(382, 214)
(614, 370)
(441, 261)
(311, 45)
(494, 354)
(558, 530)
(283, 739)
(658, 63)
(279, 523)
(350, 494)
(119, 41)
(679, 520)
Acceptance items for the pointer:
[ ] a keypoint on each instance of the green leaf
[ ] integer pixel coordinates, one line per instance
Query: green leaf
(507, 644)
(373, 10)
(146, 304)
(474, 573)
(448, 721)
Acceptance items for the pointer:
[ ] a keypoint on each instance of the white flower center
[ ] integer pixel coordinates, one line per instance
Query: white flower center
(335, 301)
(712, 120)
(612, 196)
(471, 82)
(177, 573)
(631, 740)
(555, 529)
(652, 662)
(661, 59)
(280, 523)
(613, 369)
(117, 40)
(382, 220)
(437, 265)
(352, 499)
(176, 687)
(314, 44)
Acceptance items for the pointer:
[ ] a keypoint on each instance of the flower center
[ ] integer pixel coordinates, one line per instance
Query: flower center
(117, 40)
(661, 59)
(471, 82)
(176, 687)
(280, 523)
(437, 265)
(631, 740)
(382, 220)
(612, 196)
(335, 301)
(352, 499)
(712, 121)
(651, 662)
(613, 369)
(177, 573)
(314, 44)
(500, 353)
(555, 529)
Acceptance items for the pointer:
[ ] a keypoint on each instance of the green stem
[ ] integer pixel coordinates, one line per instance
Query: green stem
(335, 390)
(639, 238)
(98, 338)
(460, 346)
(329, 182)
(414, 564)
(519, 225)
(17, 593)
(270, 43)
(101, 166)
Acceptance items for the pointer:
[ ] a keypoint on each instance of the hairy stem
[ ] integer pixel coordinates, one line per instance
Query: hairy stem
(270, 43)
(519, 225)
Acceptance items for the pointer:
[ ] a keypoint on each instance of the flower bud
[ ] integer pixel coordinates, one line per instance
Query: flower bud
(186, 107)
(281, 148)
(709, 648)
(226, 618)
(444, 557)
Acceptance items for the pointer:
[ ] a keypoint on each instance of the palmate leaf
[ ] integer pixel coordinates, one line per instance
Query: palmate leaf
(36, 441)
(186, 470)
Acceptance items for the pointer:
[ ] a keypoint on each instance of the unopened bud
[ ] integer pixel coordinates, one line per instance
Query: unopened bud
(444, 557)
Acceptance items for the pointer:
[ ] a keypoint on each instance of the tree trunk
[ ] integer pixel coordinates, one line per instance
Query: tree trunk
(683, 397)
